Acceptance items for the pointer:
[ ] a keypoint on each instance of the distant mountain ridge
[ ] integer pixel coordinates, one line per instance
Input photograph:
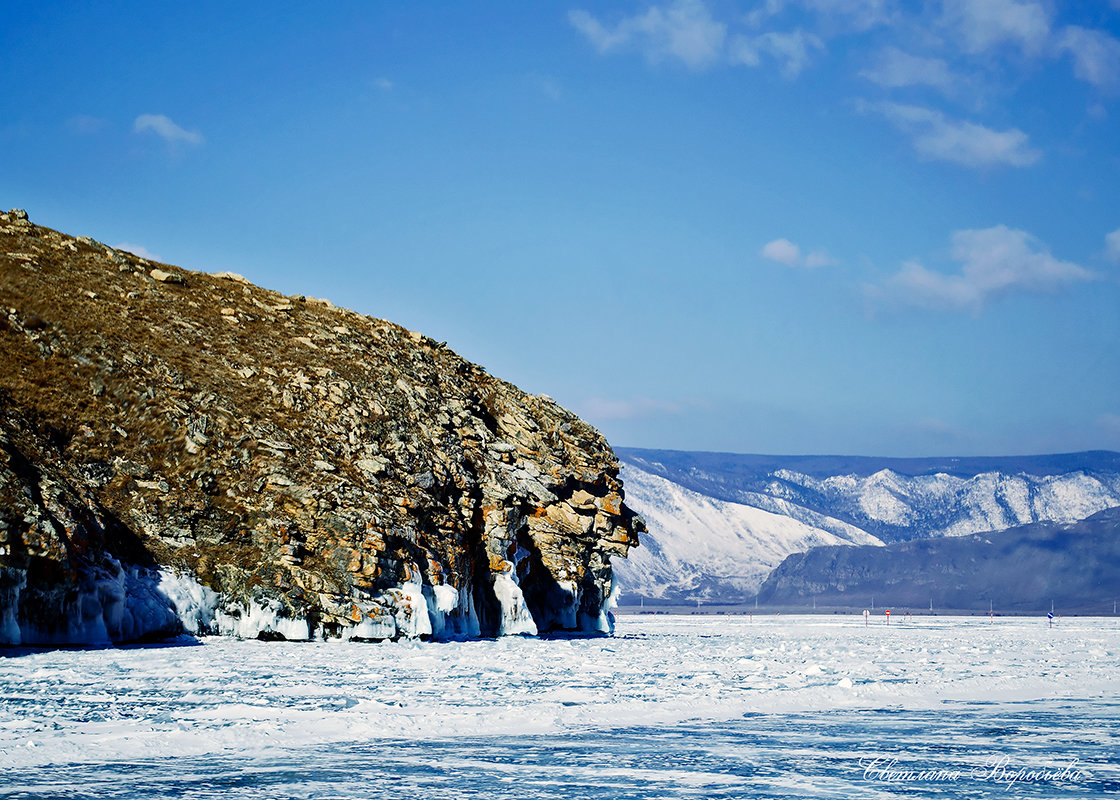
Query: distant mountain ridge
(897, 499)
(719, 522)
(698, 544)
(749, 465)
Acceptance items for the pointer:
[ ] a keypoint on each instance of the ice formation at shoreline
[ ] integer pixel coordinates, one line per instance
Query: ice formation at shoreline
(136, 604)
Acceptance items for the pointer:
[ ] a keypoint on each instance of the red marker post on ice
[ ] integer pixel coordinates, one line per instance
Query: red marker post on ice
(888, 616)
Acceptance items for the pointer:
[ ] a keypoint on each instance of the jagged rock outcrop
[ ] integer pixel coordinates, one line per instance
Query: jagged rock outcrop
(180, 448)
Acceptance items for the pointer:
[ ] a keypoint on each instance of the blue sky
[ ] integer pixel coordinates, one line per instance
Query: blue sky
(783, 226)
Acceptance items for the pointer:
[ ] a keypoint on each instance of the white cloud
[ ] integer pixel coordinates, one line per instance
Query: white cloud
(1112, 246)
(792, 50)
(1095, 54)
(384, 84)
(137, 250)
(687, 31)
(940, 138)
(166, 129)
(895, 69)
(994, 262)
(683, 30)
(783, 251)
(985, 24)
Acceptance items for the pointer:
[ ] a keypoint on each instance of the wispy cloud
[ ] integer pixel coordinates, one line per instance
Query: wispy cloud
(941, 138)
(599, 408)
(547, 85)
(994, 262)
(792, 51)
(1112, 245)
(687, 32)
(860, 14)
(783, 251)
(166, 129)
(701, 34)
(895, 69)
(935, 432)
(683, 30)
(1110, 425)
(764, 11)
(982, 25)
(137, 250)
(384, 84)
(1095, 54)
(819, 258)
(985, 24)
(86, 124)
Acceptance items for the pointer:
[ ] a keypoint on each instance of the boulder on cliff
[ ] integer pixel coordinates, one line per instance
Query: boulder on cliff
(187, 451)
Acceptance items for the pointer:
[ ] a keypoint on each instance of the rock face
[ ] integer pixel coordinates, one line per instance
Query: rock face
(185, 450)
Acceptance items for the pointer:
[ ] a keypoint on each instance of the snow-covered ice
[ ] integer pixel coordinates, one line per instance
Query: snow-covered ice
(704, 706)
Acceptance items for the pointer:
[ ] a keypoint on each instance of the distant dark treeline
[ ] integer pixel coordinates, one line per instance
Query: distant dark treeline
(1074, 567)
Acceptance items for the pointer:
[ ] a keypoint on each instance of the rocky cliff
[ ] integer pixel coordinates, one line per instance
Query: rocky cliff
(187, 450)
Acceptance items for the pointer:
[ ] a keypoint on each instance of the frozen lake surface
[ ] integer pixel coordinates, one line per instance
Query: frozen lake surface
(697, 706)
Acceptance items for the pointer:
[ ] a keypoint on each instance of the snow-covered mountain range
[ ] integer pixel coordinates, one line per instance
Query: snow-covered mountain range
(700, 547)
(719, 523)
